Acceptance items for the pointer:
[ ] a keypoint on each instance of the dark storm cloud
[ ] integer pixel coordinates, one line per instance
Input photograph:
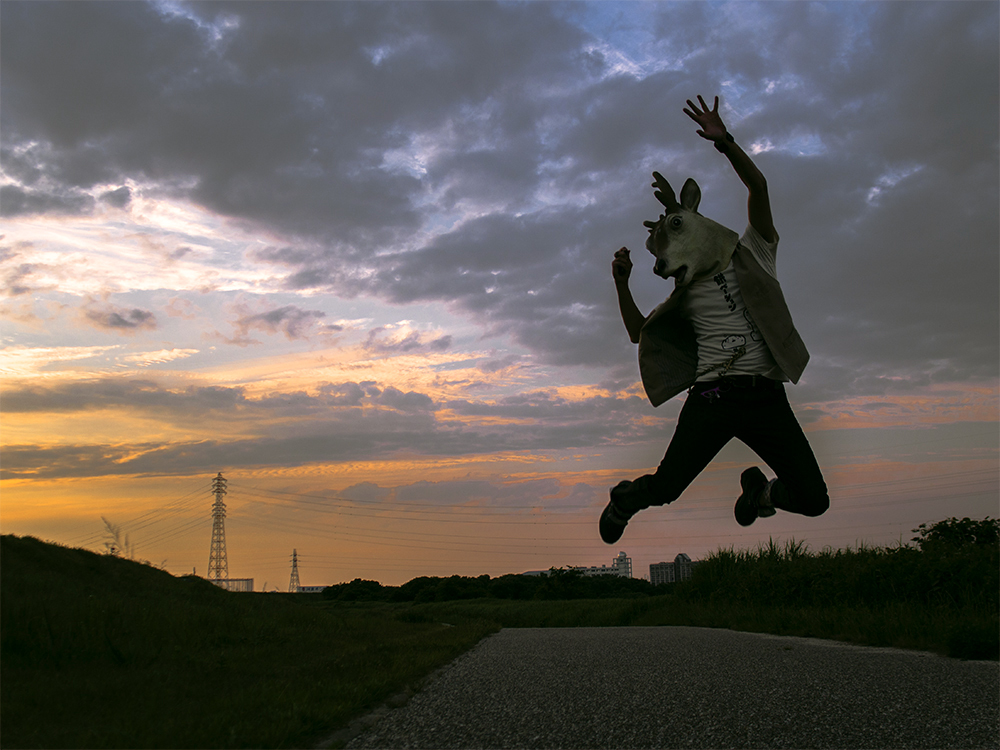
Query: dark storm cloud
(350, 125)
(118, 393)
(119, 198)
(285, 117)
(410, 401)
(144, 395)
(531, 277)
(346, 421)
(16, 201)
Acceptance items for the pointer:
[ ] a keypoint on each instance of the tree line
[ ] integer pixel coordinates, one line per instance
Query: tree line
(953, 557)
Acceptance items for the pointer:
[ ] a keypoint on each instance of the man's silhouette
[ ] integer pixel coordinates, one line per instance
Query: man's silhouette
(725, 335)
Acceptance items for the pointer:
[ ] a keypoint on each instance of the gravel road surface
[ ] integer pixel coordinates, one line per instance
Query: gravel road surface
(679, 687)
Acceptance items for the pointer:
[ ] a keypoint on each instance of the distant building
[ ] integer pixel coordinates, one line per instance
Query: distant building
(624, 565)
(621, 566)
(678, 570)
(683, 565)
(311, 589)
(662, 572)
(233, 584)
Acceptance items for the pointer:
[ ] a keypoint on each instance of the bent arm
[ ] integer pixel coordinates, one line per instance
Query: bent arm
(621, 269)
(631, 315)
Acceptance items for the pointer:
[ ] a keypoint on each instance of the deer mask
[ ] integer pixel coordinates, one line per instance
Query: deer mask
(687, 245)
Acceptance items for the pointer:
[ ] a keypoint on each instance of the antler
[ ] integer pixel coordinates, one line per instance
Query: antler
(665, 194)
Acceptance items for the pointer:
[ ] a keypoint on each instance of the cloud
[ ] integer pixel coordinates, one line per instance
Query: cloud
(110, 317)
(499, 364)
(132, 395)
(179, 307)
(491, 157)
(410, 401)
(348, 394)
(401, 339)
(119, 198)
(13, 282)
(365, 492)
(33, 362)
(339, 422)
(292, 321)
(145, 359)
(16, 201)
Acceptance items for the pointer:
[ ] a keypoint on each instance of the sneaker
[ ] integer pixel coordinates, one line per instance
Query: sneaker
(753, 483)
(614, 519)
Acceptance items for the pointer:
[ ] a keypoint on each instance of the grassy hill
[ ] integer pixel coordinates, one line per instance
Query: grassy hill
(98, 651)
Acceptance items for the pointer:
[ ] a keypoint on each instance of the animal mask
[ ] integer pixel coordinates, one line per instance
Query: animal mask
(687, 245)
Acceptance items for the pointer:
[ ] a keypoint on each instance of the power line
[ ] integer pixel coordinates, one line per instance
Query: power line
(532, 533)
(504, 515)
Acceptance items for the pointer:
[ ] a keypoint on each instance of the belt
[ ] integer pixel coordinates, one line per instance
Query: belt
(751, 381)
(712, 389)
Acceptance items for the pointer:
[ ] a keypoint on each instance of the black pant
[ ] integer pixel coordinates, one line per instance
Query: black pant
(758, 415)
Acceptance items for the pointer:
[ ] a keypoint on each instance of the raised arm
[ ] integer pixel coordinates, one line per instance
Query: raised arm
(713, 129)
(621, 269)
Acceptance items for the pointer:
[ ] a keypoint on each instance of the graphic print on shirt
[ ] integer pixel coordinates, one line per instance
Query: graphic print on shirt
(754, 333)
(728, 338)
(733, 342)
(720, 279)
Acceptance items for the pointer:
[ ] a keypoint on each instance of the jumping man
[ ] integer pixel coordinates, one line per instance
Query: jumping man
(725, 335)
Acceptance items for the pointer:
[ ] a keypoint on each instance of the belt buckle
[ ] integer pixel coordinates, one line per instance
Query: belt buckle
(712, 394)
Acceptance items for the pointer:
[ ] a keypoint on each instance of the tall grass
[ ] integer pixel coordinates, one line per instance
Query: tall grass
(942, 599)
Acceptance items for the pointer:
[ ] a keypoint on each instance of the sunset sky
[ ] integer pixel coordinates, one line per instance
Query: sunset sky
(356, 257)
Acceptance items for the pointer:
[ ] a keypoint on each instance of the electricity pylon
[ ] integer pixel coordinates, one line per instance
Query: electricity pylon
(293, 585)
(218, 565)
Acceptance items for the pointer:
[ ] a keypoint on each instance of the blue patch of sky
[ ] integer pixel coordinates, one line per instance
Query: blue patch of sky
(215, 30)
(624, 34)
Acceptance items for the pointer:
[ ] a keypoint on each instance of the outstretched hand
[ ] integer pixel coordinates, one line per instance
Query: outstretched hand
(712, 127)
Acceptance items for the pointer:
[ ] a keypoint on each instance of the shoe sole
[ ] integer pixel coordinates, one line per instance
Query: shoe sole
(745, 478)
(611, 531)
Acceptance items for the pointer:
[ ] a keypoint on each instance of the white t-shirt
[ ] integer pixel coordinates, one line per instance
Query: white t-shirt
(722, 323)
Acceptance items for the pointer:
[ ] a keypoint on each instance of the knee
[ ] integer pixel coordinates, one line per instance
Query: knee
(806, 498)
(635, 496)
(815, 504)
(663, 488)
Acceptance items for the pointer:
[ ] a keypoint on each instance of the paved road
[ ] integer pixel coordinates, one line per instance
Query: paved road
(678, 687)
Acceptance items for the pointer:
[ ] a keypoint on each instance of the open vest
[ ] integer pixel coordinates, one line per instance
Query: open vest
(668, 349)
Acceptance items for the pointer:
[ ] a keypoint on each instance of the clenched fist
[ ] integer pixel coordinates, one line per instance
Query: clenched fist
(621, 266)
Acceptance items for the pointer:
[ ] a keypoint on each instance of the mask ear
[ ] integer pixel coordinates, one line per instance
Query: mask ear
(691, 195)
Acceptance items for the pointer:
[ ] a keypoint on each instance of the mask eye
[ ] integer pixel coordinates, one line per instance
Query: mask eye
(675, 222)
